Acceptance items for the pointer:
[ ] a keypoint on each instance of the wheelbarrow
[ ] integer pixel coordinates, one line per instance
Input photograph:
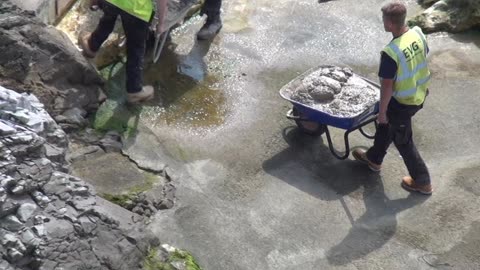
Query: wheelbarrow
(314, 122)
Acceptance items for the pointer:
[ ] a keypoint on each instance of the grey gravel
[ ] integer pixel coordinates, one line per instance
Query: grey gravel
(336, 91)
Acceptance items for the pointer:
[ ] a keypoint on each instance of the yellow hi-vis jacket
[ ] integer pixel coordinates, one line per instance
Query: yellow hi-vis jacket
(141, 9)
(410, 53)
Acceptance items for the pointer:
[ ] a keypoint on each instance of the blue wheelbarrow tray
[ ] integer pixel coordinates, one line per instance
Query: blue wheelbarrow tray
(302, 112)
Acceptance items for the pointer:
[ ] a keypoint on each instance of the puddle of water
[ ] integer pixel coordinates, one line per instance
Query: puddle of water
(189, 95)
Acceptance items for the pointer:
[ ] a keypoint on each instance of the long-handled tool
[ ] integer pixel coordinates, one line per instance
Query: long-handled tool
(159, 43)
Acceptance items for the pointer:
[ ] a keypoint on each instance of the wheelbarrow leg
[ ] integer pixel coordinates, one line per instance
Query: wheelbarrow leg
(335, 153)
(345, 155)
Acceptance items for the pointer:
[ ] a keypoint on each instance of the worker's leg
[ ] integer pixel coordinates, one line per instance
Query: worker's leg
(136, 31)
(213, 24)
(104, 27)
(383, 139)
(403, 140)
(211, 8)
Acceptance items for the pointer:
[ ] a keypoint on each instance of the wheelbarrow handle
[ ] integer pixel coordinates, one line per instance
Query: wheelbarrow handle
(291, 116)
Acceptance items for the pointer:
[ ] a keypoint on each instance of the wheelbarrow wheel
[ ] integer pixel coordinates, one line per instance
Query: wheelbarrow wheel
(311, 128)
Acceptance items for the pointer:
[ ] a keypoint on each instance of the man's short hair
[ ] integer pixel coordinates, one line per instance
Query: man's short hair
(396, 12)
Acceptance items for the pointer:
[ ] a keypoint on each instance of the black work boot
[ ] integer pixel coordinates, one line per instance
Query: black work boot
(210, 29)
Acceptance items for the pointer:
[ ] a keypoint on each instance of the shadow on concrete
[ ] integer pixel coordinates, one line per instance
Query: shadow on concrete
(471, 36)
(308, 166)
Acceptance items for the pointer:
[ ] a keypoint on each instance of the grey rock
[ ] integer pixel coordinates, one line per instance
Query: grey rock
(322, 94)
(82, 153)
(179, 265)
(8, 182)
(84, 204)
(169, 191)
(138, 210)
(25, 211)
(59, 228)
(88, 136)
(74, 116)
(65, 196)
(40, 230)
(29, 239)
(4, 265)
(166, 204)
(56, 154)
(87, 225)
(114, 135)
(450, 16)
(48, 265)
(11, 223)
(7, 208)
(20, 188)
(3, 195)
(10, 240)
(110, 145)
(340, 76)
(81, 191)
(38, 219)
(43, 201)
(70, 214)
(22, 116)
(40, 198)
(6, 129)
(58, 184)
(14, 255)
(58, 138)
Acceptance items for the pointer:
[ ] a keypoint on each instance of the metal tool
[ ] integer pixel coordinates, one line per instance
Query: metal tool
(159, 43)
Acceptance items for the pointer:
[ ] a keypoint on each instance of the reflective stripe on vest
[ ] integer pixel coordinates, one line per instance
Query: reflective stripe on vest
(142, 9)
(409, 52)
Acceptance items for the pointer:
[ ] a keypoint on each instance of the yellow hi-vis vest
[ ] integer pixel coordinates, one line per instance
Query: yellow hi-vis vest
(410, 53)
(141, 9)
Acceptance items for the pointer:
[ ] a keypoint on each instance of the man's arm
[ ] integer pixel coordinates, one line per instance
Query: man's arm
(386, 93)
(387, 74)
(161, 14)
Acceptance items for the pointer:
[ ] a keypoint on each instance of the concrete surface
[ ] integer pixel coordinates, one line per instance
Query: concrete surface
(257, 194)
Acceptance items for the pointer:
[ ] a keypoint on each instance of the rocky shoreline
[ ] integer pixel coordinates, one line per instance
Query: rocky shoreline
(48, 218)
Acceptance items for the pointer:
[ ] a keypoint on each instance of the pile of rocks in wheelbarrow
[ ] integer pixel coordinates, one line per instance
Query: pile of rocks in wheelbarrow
(336, 91)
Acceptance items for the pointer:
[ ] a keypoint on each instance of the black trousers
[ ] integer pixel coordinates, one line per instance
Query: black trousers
(136, 31)
(211, 8)
(399, 131)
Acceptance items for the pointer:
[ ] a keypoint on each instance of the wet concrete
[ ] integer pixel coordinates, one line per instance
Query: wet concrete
(257, 194)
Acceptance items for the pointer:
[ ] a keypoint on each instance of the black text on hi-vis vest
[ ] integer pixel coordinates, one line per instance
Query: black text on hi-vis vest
(411, 51)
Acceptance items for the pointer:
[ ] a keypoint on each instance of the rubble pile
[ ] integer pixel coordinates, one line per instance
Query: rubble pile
(336, 91)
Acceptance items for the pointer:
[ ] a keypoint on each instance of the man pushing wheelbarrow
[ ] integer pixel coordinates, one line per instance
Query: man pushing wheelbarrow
(404, 86)
(334, 96)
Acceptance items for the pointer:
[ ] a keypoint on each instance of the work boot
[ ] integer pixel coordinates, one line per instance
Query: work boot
(145, 95)
(409, 185)
(360, 154)
(210, 29)
(83, 40)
